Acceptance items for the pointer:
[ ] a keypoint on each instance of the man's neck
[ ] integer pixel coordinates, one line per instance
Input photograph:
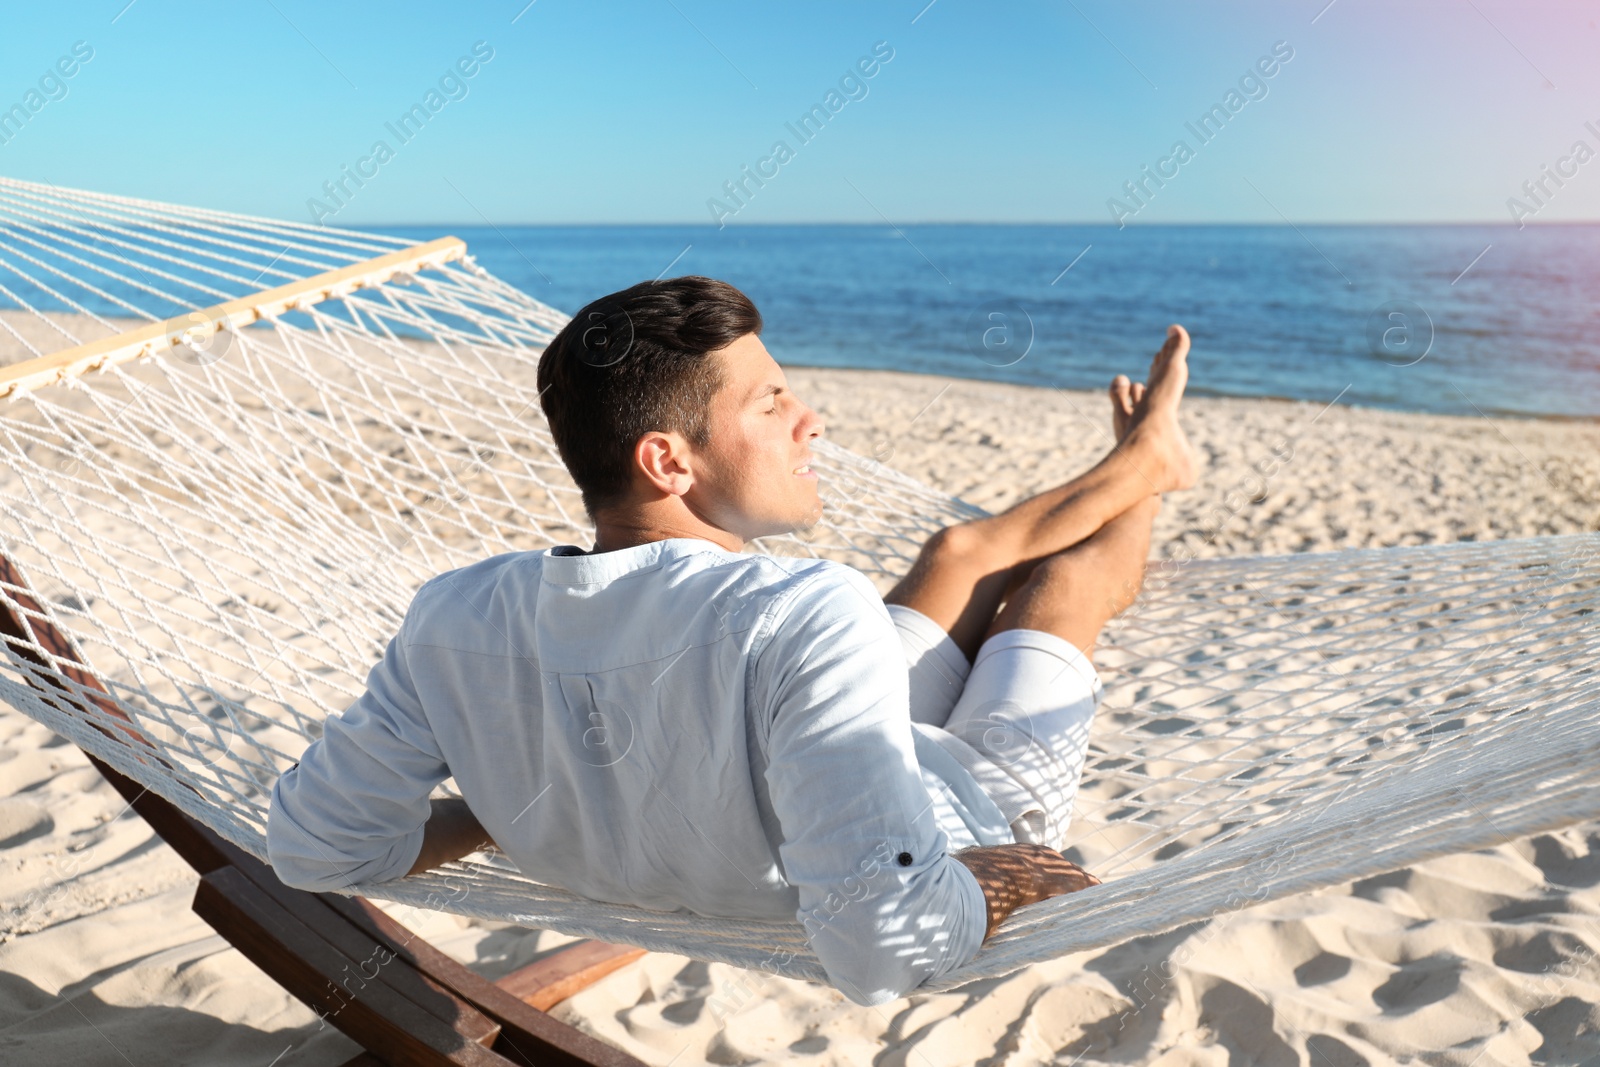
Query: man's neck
(614, 532)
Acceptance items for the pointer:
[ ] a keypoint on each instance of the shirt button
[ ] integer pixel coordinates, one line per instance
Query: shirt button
(904, 859)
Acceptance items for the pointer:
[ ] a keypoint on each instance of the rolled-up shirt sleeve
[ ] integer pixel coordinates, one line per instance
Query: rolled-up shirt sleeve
(352, 811)
(884, 905)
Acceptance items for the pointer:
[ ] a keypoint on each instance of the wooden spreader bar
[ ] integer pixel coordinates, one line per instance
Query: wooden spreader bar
(195, 327)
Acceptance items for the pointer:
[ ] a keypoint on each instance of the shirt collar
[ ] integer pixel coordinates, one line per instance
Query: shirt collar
(571, 565)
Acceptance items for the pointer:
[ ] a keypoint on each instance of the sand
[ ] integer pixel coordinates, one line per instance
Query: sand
(1490, 957)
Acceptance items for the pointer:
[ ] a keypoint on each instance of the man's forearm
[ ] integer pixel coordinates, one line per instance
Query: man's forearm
(452, 831)
(1014, 875)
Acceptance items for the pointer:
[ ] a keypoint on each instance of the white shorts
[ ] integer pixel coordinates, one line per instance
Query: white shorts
(1023, 709)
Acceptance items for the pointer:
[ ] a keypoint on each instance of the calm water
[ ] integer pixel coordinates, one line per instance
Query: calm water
(1384, 316)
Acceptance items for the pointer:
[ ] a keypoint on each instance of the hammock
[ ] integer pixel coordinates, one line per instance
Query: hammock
(234, 447)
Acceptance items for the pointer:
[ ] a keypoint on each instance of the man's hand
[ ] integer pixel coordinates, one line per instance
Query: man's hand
(452, 831)
(1014, 875)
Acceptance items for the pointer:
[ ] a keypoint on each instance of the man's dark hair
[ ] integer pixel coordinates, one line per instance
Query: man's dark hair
(633, 362)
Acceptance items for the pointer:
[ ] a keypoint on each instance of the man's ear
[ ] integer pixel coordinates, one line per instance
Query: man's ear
(665, 461)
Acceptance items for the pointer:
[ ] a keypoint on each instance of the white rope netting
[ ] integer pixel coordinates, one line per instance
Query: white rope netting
(230, 531)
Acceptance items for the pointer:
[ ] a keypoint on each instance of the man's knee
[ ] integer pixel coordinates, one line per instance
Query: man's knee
(1063, 595)
(959, 545)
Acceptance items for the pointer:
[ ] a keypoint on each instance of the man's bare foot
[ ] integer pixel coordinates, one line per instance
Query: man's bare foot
(1147, 428)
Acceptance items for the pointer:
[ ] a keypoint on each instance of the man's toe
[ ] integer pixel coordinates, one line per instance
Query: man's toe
(1121, 394)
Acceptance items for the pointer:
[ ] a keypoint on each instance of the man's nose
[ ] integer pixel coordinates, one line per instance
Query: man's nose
(813, 424)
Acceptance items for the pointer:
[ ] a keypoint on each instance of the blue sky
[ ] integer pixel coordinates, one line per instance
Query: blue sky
(1437, 110)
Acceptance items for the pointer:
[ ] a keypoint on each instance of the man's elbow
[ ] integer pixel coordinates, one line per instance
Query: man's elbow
(885, 948)
(876, 997)
(298, 866)
(298, 875)
(873, 982)
(302, 861)
(870, 968)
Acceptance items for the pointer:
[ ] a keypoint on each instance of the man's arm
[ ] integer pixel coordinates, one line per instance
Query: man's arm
(355, 809)
(884, 904)
(1014, 875)
(452, 831)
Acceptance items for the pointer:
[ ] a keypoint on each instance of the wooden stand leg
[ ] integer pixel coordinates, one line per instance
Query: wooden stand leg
(561, 974)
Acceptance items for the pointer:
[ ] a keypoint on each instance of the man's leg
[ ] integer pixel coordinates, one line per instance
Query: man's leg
(1029, 702)
(1073, 594)
(965, 572)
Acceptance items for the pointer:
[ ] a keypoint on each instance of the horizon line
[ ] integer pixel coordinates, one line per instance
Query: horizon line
(480, 225)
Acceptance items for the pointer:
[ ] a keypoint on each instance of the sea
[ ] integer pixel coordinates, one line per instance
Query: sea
(1486, 320)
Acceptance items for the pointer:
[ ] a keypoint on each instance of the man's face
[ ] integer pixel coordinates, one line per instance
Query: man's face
(754, 477)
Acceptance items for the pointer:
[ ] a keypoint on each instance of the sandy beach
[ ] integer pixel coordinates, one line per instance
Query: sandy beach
(1491, 957)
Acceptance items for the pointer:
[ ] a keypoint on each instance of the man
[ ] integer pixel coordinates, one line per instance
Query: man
(670, 722)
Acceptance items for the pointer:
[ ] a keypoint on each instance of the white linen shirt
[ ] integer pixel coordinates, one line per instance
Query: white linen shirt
(672, 726)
